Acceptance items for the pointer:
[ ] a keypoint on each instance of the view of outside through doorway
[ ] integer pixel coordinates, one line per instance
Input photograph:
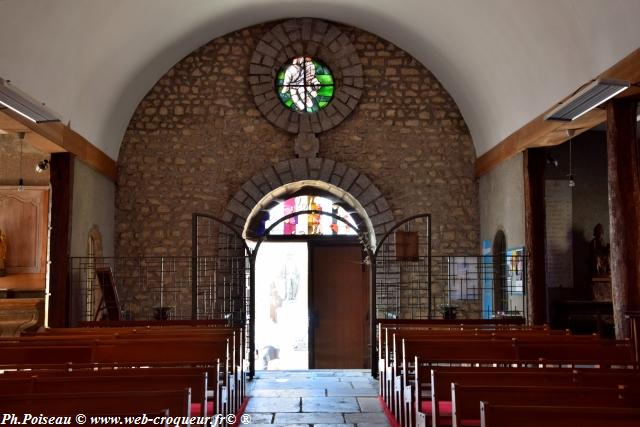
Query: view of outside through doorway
(282, 317)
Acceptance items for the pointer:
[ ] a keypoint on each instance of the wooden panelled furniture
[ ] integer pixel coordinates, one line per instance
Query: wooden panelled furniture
(483, 372)
(24, 222)
(179, 369)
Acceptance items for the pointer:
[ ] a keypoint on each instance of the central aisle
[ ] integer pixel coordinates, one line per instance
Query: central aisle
(317, 397)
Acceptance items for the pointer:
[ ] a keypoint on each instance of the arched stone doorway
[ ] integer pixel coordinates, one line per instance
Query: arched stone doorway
(371, 215)
(325, 175)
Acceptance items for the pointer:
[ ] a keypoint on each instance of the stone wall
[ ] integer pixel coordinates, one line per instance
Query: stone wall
(197, 137)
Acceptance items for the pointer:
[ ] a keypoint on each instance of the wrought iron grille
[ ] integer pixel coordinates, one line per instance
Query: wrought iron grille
(479, 287)
(403, 271)
(148, 287)
(222, 275)
(222, 270)
(217, 280)
(411, 283)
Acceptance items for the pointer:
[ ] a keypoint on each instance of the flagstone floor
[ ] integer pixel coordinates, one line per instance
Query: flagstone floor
(322, 398)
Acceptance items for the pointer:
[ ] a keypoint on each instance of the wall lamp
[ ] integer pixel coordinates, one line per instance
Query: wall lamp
(42, 166)
(19, 102)
(586, 99)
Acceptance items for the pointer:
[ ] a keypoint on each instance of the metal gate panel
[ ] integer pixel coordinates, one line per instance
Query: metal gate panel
(403, 270)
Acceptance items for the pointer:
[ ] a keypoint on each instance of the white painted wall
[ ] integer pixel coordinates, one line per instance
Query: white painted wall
(502, 202)
(503, 61)
(93, 203)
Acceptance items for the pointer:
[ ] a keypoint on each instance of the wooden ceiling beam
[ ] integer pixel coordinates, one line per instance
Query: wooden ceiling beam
(12, 126)
(55, 137)
(541, 133)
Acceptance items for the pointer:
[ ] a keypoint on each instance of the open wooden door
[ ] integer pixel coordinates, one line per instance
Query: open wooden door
(339, 306)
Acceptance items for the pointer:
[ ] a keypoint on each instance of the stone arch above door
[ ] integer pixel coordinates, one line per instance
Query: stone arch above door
(348, 184)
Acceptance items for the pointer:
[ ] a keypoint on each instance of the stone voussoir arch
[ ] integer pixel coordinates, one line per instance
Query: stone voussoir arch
(336, 174)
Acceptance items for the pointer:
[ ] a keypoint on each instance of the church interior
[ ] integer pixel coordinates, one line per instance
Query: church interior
(303, 212)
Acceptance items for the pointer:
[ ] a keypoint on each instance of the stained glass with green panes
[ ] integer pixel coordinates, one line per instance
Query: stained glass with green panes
(309, 88)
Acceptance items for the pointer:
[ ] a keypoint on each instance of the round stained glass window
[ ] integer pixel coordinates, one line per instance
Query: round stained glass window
(305, 84)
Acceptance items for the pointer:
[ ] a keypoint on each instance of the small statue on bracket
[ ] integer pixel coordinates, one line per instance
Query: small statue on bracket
(3, 253)
(599, 253)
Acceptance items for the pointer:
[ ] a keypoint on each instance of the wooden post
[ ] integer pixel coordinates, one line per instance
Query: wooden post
(534, 162)
(62, 167)
(624, 209)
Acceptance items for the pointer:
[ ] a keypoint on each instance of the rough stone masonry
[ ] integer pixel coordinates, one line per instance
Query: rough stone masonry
(197, 137)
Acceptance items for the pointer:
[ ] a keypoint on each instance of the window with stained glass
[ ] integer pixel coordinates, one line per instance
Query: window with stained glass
(305, 84)
(309, 224)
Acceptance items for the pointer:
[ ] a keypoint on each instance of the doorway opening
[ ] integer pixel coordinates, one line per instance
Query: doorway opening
(282, 306)
(308, 277)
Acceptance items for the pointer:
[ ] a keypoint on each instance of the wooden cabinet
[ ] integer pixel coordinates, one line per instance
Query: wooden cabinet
(24, 221)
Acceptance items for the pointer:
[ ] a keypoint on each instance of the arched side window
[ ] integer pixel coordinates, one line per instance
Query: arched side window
(309, 224)
(500, 296)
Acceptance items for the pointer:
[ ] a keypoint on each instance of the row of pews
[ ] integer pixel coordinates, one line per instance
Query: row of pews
(492, 373)
(179, 369)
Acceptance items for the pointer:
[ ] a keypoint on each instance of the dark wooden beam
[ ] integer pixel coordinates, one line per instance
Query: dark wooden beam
(534, 163)
(624, 209)
(60, 138)
(62, 168)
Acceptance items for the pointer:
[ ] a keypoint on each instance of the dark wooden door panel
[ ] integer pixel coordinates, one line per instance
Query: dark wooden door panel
(339, 306)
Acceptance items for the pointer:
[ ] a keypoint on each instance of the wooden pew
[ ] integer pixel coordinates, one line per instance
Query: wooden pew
(212, 392)
(386, 327)
(124, 379)
(483, 346)
(504, 353)
(466, 398)
(487, 352)
(156, 349)
(605, 352)
(556, 416)
(390, 335)
(237, 363)
(37, 354)
(98, 324)
(507, 321)
(176, 402)
(438, 403)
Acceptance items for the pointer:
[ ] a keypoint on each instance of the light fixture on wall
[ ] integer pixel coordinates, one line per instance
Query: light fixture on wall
(586, 99)
(21, 103)
(21, 181)
(572, 181)
(42, 166)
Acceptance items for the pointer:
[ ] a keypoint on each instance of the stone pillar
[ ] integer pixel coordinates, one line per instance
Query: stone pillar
(534, 162)
(624, 209)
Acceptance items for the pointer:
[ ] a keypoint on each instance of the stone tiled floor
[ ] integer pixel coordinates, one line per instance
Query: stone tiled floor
(322, 398)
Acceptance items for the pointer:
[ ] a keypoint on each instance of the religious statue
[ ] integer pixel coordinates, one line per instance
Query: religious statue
(3, 253)
(598, 253)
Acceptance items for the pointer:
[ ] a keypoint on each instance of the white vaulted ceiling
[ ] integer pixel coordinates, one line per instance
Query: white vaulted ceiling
(503, 61)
